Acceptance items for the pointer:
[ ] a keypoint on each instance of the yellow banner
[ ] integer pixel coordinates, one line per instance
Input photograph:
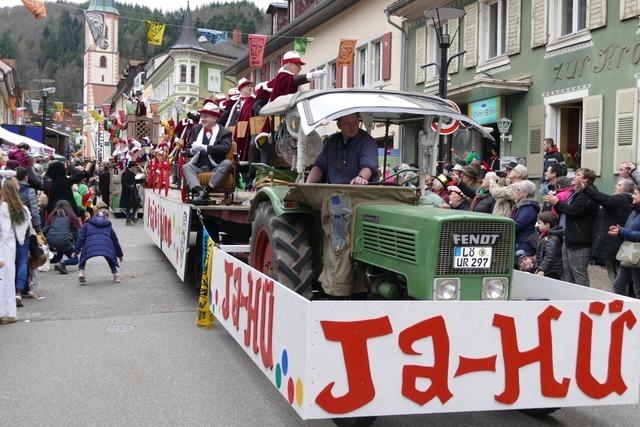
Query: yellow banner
(155, 32)
(59, 106)
(96, 116)
(205, 317)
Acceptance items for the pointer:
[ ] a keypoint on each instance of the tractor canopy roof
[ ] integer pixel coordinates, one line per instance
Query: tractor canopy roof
(316, 107)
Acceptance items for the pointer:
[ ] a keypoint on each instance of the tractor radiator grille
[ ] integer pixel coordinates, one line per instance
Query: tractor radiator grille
(389, 241)
(500, 257)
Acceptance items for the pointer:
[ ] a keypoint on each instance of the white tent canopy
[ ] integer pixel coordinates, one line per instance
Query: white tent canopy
(35, 148)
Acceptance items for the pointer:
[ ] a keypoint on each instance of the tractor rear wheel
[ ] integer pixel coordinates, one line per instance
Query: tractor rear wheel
(280, 249)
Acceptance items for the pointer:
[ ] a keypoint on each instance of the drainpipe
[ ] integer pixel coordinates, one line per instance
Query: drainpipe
(403, 42)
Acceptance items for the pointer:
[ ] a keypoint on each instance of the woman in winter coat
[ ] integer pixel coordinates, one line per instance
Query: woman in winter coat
(61, 230)
(615, 210)
(484, 201)
(630, 232)
(525, 214)
(59, 187)
(15, 220)
(97, 239)
(129, 198)
(549, 251)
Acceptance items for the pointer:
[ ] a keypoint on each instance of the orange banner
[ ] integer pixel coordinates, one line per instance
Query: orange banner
(346, 52)
(257, 43)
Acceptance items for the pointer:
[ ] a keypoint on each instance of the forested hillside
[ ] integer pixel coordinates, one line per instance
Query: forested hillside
(53, 47)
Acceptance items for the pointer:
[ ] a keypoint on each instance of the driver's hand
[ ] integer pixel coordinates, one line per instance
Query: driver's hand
(358, 180)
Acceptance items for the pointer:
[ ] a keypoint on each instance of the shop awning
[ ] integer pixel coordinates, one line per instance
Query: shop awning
(36, 148)
(482, 88)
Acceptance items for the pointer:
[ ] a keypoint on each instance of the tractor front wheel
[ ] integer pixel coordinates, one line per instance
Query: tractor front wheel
(280, 249)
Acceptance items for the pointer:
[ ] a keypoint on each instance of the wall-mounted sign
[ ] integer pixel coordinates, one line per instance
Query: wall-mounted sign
(486, 111)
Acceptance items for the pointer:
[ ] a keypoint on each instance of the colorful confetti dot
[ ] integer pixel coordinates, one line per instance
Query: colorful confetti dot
(299, 392)
(278, 375)
(285, 362)
(290, 390)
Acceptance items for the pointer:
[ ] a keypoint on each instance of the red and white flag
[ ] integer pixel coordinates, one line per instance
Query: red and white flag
(257, 44)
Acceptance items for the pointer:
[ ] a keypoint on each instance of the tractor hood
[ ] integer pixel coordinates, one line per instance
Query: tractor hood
(317, 107)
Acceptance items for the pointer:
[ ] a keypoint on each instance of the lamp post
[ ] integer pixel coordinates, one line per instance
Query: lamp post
(504, 124)
(45, 87)
(439, 16)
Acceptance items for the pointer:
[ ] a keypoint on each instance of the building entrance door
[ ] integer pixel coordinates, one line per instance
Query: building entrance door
(570, 131)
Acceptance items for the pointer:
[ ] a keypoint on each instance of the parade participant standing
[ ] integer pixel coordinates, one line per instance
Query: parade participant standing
(288, 78)
(59, 187)
(241, 133)
(226, 106)
(245, 91)
(129, 198)
(104, 181)
(209, 146)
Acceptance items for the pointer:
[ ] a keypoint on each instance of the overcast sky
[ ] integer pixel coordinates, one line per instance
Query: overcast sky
(161, 4)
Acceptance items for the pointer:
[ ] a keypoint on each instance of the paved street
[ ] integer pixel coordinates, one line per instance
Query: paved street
(130, 354)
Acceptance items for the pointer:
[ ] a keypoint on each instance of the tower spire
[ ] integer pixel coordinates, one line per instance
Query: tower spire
(188, 38)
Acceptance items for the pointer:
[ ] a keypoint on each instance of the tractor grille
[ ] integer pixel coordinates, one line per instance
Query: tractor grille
(500, 256)
(389, 241)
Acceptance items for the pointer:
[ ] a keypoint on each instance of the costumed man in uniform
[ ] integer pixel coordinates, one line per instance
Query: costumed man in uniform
(225, 116)
(241, 133)
(286, 82)
(209, 146)
(182, 133)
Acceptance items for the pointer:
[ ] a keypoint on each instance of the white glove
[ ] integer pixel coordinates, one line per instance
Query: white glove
(316, 74)
(197, 148)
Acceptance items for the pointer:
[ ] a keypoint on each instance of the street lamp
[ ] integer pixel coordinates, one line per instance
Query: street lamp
(45, 87)
(504, 124)
(439, 16)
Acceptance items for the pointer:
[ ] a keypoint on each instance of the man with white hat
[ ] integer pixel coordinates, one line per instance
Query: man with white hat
(245, 88)
(288, 78)
(209, 146)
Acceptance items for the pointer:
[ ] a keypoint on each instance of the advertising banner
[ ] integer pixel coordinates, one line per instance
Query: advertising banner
(167, 223)
(362, 358)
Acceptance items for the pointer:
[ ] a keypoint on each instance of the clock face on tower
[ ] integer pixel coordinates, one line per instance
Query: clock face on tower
(103, 44)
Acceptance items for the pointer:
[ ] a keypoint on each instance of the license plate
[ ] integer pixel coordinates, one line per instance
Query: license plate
(472, 257)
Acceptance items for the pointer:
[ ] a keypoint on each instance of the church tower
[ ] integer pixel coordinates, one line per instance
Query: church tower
(101, 57)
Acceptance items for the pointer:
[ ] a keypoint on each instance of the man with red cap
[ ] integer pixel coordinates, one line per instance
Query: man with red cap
(209, 146)
(288, 78)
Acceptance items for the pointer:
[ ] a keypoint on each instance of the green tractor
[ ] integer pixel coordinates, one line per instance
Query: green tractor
(402, 245)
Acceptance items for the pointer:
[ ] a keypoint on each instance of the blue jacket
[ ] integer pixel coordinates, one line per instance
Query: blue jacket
(97, 238)
(28, 196)
(631, 229)
(525, 214)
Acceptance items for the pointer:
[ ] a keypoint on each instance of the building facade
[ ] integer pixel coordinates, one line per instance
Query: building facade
(192, 70)
(562, 69)
(376, 61)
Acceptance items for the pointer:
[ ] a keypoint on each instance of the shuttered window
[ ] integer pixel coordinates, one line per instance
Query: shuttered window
(535, 132)
(387, 44)
(471, 35)
(538, 23)
(421, 35)
(629, 8)
(452, 28)
(592, 133)
(625, 126)
(339, 70)
(597, 14)
(513, 31)
(350, 71)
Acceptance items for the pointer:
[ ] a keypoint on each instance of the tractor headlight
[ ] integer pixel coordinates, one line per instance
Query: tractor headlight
(446, 288)
(495, 288)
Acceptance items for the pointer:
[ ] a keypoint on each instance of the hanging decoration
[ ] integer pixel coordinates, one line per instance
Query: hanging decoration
(12, 103)
(35, 105)
(106, 109)
(346, 52)
(257, 43)
(300, 44)
(59, 106)
(96, 23)
(36, 7)
(155, 32)
(214, 36)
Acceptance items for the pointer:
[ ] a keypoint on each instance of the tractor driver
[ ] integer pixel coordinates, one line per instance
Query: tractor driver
(348, 157)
